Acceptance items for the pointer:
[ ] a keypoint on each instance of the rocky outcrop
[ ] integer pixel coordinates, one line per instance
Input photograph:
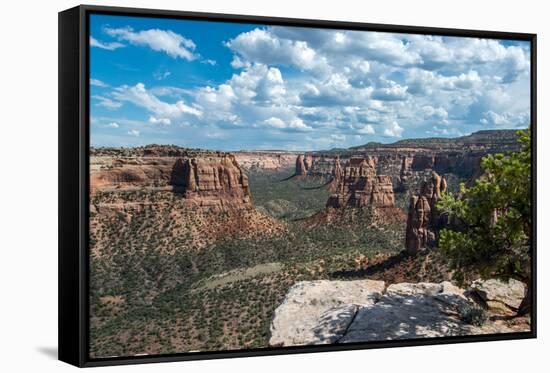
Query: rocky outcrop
(338, 172)
(423, 218)
(422, 162)
(361, 311)
(209, 179)
(359, 186)
(336, 176)
(265, 160)
(121, 173)
(315, 165)
(319, 312)
(212, 181)
(499, 296)
(406, 169)
(405, 173)
(406, 162)
(301, 168)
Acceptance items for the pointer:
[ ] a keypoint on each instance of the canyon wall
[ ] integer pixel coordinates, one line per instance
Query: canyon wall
(207, 179)
(409, 162)
(199, 197)
(265, 160)
(211, 181)
(358, 185)
(406, 171)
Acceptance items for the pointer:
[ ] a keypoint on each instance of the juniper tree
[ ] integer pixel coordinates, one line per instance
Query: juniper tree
(491, 225)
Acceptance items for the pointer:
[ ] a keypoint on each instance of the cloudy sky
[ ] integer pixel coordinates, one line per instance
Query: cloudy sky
(236, 86)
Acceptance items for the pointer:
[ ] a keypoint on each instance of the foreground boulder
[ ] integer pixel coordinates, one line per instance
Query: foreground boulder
(319, 312)
(323, 312)
(409, 311)
(499, 296)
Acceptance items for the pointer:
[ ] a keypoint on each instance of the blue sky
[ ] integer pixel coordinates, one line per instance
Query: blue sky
(235, 86)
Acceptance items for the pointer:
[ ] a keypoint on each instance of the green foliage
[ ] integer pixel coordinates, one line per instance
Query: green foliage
(175, 300)
(290, 199)
(472, 314)
(491, 221)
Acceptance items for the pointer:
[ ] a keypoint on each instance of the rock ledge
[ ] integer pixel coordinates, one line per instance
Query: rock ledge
(327, 312)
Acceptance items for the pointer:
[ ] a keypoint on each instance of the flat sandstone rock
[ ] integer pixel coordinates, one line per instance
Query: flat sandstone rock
(322, 312)
(319, 312)
(509, 294)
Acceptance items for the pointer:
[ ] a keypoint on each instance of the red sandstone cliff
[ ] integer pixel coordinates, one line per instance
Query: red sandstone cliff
(209, 179)
(213, 181)
(359, 186)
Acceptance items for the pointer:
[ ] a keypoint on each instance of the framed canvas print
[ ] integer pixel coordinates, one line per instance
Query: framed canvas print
(234, 186)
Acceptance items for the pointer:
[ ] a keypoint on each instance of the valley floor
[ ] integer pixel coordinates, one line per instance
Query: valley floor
(154, 291)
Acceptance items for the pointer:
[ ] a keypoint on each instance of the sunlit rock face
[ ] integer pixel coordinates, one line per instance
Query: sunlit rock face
(215, 181)
(357, 185)
(423, 217)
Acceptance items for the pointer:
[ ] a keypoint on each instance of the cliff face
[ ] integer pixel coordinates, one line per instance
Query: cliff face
(117, 173)
(265, 160)
(358, 186)
(405, 170)
(407, 162)
(200, 196)
(422, 221)
(301, 169)
(210, 179)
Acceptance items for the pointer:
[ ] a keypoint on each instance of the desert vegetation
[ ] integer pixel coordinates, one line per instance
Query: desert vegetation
(180, 267)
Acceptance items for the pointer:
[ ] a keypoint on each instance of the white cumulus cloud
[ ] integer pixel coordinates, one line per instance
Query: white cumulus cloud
(98, 83)
(106, 102)
(367, 130)
(393, 129)
(165, 121)
(111, 46)
(167, 41)
(260, 45)
(140, 96)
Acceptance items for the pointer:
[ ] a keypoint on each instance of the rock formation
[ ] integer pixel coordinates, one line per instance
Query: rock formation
(422, 221)
(499, 296)
(407, 162)
(405, 173)
(337, 172)
(322, 312)
(318, 312)
(359, 186)
(121, 173)
(265, 160)
(301, 169)
(203, 197)
(317, 165)
(214, 181)
(204, 179)
(336, 176)
(422, 162)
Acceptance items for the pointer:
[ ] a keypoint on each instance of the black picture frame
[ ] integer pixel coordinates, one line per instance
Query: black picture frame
(74, 182)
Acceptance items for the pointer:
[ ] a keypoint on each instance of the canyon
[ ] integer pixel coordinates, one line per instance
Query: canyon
(409, 162)
(194, 249)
